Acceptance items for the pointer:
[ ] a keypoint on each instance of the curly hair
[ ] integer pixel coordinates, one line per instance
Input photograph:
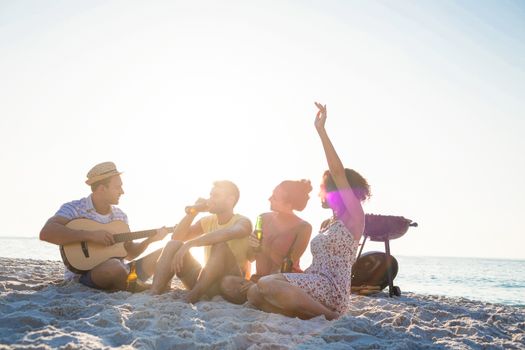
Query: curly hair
(296, 192)
(357, 182)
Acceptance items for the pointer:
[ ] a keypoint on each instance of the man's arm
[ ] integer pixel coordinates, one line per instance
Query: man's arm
(185, 230)
(134, 249)
(254, 244)
(56, 232)
(240, 229)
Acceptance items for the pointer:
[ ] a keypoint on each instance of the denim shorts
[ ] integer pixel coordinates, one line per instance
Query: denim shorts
(86, 279)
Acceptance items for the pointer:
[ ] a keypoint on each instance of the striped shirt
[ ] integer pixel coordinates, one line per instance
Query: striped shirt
(84, 209)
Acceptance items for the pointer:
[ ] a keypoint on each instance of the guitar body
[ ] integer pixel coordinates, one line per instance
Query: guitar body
(84, 256)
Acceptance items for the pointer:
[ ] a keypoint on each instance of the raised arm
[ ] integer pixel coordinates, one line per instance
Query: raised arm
(335, 165)
(185, 230)
(353, 215)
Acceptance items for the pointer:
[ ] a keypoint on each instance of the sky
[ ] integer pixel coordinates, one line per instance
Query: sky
(426, 99)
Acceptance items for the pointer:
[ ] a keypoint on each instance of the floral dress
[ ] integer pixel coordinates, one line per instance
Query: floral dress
(328, 279)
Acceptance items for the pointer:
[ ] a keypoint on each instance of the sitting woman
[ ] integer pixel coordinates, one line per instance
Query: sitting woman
(324, 288)
(285, 238)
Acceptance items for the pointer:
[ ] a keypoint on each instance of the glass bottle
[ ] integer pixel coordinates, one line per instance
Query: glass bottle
(258, 233)
(131, 282)
(286, 265)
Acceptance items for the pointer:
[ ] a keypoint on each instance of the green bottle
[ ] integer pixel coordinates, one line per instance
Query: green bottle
(259, 232)
(286, 266)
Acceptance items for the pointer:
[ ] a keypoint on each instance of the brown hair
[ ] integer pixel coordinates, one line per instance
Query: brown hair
(296, 192)
(358, 183)
(230, 187)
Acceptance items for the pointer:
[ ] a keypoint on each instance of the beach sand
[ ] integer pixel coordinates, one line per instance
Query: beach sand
(38, 310)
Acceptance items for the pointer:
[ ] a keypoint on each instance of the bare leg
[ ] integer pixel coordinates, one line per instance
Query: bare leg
(257, 299)
(110, 275)
(163, 269)
(234, 289)
(149, 262)
(277, 291)
(190, 271)
(221, 263)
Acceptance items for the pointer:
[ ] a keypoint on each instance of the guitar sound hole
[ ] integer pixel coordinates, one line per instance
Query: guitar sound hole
(85, 249)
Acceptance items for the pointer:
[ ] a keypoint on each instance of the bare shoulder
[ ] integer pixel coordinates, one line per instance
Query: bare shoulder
(267, 216)
(305, 226)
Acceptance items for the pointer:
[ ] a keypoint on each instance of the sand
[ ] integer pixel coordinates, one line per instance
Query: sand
(39, 310)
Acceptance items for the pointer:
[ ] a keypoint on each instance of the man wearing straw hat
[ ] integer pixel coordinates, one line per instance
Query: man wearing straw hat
(106, 187)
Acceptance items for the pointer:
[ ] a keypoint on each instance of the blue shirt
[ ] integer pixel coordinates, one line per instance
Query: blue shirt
(83, 208)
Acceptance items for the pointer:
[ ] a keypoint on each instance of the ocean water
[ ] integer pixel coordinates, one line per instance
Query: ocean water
(489, 280)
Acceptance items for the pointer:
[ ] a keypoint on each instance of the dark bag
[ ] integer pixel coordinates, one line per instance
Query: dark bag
(370, 270)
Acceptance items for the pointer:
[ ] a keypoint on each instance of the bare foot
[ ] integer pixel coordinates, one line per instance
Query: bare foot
(158, 291)
(138, 287)
(191, 297)
(332, 315)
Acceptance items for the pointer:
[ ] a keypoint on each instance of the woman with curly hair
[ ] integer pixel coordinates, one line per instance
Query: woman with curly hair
(324, 288)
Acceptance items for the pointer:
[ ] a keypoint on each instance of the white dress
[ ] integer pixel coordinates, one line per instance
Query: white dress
(328, 279)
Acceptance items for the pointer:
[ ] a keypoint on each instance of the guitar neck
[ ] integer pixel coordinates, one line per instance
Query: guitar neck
(130, 236)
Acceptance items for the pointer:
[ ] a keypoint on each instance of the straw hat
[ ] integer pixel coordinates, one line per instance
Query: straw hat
(101, 171)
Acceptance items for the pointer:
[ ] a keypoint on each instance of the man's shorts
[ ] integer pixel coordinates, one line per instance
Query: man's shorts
(86, 279)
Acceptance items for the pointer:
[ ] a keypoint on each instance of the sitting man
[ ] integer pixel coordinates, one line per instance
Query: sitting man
(224, 236)
(284, 240)
(111, 274)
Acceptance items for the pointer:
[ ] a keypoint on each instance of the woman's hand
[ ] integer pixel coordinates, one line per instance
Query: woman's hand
(253, 241)
(320, 118)
(245, 285)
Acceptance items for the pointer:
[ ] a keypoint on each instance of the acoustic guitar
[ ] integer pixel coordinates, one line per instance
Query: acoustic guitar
(83, 256)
